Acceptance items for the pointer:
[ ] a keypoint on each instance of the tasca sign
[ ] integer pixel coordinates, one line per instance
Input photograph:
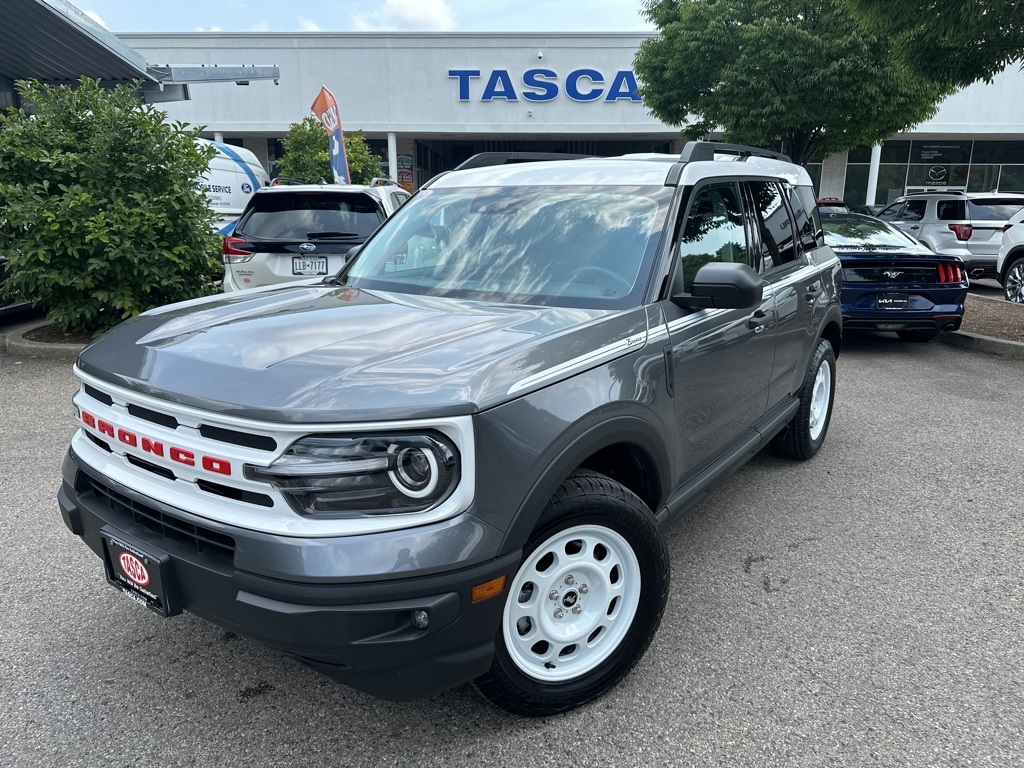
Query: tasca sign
(539, 85)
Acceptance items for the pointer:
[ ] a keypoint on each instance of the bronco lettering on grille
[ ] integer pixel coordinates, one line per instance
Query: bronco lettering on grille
(149, 445)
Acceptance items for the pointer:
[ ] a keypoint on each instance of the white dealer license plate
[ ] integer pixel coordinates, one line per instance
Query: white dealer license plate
(309, 265)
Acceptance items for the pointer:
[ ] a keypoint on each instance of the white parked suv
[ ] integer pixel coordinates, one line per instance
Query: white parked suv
(962, 224)
(297, 231)
(1010, 261)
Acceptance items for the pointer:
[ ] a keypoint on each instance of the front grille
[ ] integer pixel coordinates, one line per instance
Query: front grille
(162, 419)
(198, 537)
(95, 394)
(245, 439)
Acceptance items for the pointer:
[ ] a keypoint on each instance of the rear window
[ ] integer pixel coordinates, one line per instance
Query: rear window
(310, 216)
(857, 232)
(994, 209)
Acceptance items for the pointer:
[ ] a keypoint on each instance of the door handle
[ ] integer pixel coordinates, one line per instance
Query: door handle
(757, 321)
(915, 227)
(813, 292)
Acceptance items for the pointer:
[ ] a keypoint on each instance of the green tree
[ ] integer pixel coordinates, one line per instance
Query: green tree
(807, 75)
(306, 154)
(952, 41)
(101, 213)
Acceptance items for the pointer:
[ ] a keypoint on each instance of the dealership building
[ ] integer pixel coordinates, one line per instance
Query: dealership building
(427, 101)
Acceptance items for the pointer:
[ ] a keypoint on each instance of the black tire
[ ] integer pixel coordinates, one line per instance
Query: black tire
(805, 433)
(918, 336)
(596, 509)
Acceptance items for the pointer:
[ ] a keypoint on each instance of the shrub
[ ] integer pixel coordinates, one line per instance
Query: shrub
(307, 154)
(101, 212)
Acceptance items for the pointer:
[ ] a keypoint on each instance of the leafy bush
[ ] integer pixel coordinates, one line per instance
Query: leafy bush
(101, 212)
(307, 154)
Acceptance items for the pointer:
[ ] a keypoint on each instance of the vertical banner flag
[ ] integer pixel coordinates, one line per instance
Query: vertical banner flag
(326, 110)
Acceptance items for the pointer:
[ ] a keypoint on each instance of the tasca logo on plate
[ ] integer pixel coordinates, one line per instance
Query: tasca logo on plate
(134, 569)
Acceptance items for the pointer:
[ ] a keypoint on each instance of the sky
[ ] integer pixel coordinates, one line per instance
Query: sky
(124, 16)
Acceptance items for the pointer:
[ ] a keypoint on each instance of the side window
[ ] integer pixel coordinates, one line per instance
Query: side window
(914, 211)
(950, 210)
(890, 213)
(808, 222)
(398, 198)
(778, 246)
(713, 230)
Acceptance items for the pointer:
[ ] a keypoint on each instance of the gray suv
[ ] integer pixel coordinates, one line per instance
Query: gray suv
(961, 224)
(456, 460)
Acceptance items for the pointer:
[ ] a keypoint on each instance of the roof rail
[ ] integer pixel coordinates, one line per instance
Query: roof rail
(485, 159)
(706, 150)
(936, 192)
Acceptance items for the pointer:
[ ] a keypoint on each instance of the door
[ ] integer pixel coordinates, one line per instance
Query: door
(722, 358)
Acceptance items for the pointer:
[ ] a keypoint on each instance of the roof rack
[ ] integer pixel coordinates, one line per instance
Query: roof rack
(936, 192)
(706, 150)
(485, 159)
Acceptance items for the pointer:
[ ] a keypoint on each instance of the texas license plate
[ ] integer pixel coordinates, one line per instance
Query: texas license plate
(140, 574)
(892, 301)
(309, 265)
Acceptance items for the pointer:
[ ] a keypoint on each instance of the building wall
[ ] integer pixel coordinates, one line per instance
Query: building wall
(400, 82)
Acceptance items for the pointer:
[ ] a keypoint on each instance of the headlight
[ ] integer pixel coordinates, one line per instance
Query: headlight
(341, 476)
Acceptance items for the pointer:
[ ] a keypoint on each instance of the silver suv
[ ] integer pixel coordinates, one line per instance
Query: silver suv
(298, 231)
(961, 224)
(1010, 262)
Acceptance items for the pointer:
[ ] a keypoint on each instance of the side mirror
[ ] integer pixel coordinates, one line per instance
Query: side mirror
(722, 285)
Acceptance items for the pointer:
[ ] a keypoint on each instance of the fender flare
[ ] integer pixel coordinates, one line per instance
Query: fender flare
(594, 433)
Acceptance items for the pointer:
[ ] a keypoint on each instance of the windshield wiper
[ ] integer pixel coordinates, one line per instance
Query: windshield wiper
(314, 235)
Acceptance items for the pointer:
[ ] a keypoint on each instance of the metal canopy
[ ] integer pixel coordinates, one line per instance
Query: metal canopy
(54, 42)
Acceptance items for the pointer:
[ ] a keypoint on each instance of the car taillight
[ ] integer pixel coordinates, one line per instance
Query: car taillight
(951, 273)
(1006, 226)
(232, 253)
(962, 231)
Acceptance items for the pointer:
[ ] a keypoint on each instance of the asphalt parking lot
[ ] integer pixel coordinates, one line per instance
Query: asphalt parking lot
(864, 608)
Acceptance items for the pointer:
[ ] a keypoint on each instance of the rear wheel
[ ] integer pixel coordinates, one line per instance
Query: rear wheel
(1013, 285)
(806, 431)
(917, 335)
(585, 602)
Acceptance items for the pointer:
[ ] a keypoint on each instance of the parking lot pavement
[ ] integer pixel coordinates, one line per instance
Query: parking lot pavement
(864, 608)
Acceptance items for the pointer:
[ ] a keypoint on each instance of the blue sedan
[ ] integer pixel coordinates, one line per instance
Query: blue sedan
(891, 282)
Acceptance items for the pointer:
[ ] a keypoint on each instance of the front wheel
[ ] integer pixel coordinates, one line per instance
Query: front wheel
(1013, 285)
(806, 431)
(585, 602)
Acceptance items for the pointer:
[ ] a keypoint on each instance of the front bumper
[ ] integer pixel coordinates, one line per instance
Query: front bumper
(359, 632)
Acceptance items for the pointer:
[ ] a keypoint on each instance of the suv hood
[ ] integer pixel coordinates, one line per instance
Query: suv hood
(336, 354)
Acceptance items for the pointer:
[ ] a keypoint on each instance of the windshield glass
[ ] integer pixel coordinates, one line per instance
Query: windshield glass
(862, 232)
(308, 215)
(994, 209)
(560, 246)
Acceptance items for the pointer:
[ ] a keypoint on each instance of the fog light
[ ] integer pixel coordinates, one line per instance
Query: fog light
(420, 618)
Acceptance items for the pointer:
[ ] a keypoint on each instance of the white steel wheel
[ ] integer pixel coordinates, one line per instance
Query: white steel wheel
(821, 399)
(805, 433)
(571, 603)
(584, 603)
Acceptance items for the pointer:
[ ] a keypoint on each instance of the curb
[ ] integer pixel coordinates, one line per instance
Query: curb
(978, 343)
(18, 346)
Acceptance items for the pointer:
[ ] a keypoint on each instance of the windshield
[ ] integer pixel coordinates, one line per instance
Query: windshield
(862, 232)
(561, 246)
(309, 215)
(994, 209)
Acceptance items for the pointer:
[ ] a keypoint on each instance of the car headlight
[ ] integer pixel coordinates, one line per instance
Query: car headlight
(336, 476)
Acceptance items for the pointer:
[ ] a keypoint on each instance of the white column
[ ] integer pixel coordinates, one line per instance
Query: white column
(392, 156)
(876, 158)
(218, 136)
